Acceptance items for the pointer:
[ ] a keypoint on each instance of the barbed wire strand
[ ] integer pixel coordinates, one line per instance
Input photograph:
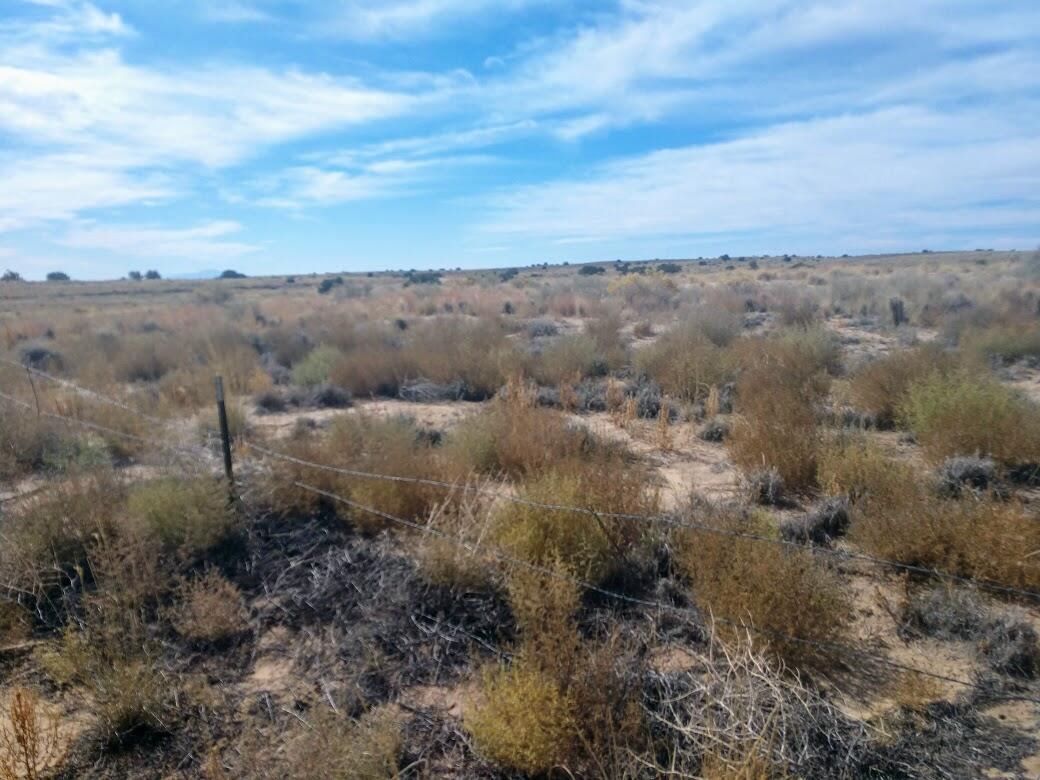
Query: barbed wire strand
(988, 585)
(476, 549)
(504, 558)
(662, 519)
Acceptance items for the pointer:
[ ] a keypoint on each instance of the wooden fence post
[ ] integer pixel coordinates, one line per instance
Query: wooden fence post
(225, 434)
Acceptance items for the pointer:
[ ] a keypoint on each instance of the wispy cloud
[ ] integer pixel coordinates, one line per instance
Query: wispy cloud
(206, 241)
(839, 176)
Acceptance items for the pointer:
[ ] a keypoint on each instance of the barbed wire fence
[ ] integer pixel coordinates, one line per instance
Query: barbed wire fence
(506, 559)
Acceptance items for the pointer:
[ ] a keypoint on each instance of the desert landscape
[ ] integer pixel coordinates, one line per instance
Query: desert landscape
(728, 517)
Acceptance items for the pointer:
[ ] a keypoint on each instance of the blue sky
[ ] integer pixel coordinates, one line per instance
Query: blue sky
(278, 136)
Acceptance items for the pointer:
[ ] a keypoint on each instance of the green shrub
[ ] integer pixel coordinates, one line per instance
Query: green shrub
(971, 414)
(590, 546)
(316, 367)
(187, 516)
(526, 723)
(566, 358)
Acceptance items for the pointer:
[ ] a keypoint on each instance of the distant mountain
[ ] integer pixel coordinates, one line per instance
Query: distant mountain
(208, 273)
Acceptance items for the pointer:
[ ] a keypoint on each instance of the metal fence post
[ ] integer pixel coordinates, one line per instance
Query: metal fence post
(225, 435)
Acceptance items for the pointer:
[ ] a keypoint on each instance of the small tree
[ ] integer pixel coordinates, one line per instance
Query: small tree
(229, 274)
(11, 276)
(592, 270)
(134, 276)
(153, 274)
(58, 276)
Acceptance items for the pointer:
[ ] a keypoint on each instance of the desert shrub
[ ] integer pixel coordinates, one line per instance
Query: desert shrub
(1002, 343)
(328, 396)
(47, 541)
(373, 369)
(42, 358)
(333, 745)
(476, 352)
(717, 322)
(769, 588)
(852, 465)
(29, 443)
(149, 357)
(592, 547)
(525, 723)
(715, 431)
(986, 539)
(316, 367)
(31, 743)
(645, 292)
(880, 387)
(945, 612)
(237, 419)
(514, 437)
(565, 358)
(828, 520)
(794, 306)
(187, 515)
(538, 329)
(969, 414)
(287, 345)
(776, 426)
(766, 487)
(271, 402)
(686, 364)
(1010, 645)
(445, 562)
(209, 609)
(814, 346)
(961, 472)
(391, 446)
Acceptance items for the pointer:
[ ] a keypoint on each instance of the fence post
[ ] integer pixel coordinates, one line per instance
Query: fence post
(225, 435)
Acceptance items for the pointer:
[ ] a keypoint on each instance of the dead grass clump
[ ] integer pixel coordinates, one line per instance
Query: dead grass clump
(970, 414)
(1002, 343)
(49, 538)
(880, 387)
(475, 352)
(443, 561)
(590, 546)
(372, 369)
(209, 609)
(771, 589)
(31, 745)
(987, 539)
(186, 516)
(333, 745)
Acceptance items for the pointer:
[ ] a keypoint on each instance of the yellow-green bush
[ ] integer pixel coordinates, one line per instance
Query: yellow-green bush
(316, 367)
(525, 723)
(971, 414)
(590, 546)
(187, 516)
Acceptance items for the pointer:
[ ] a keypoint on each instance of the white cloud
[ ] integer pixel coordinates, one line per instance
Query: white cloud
(909, 170)
(60, 186)
(199, 243)
(304, 186)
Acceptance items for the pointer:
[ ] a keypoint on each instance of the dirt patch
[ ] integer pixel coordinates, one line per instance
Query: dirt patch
(440, 416)
(685, 464)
